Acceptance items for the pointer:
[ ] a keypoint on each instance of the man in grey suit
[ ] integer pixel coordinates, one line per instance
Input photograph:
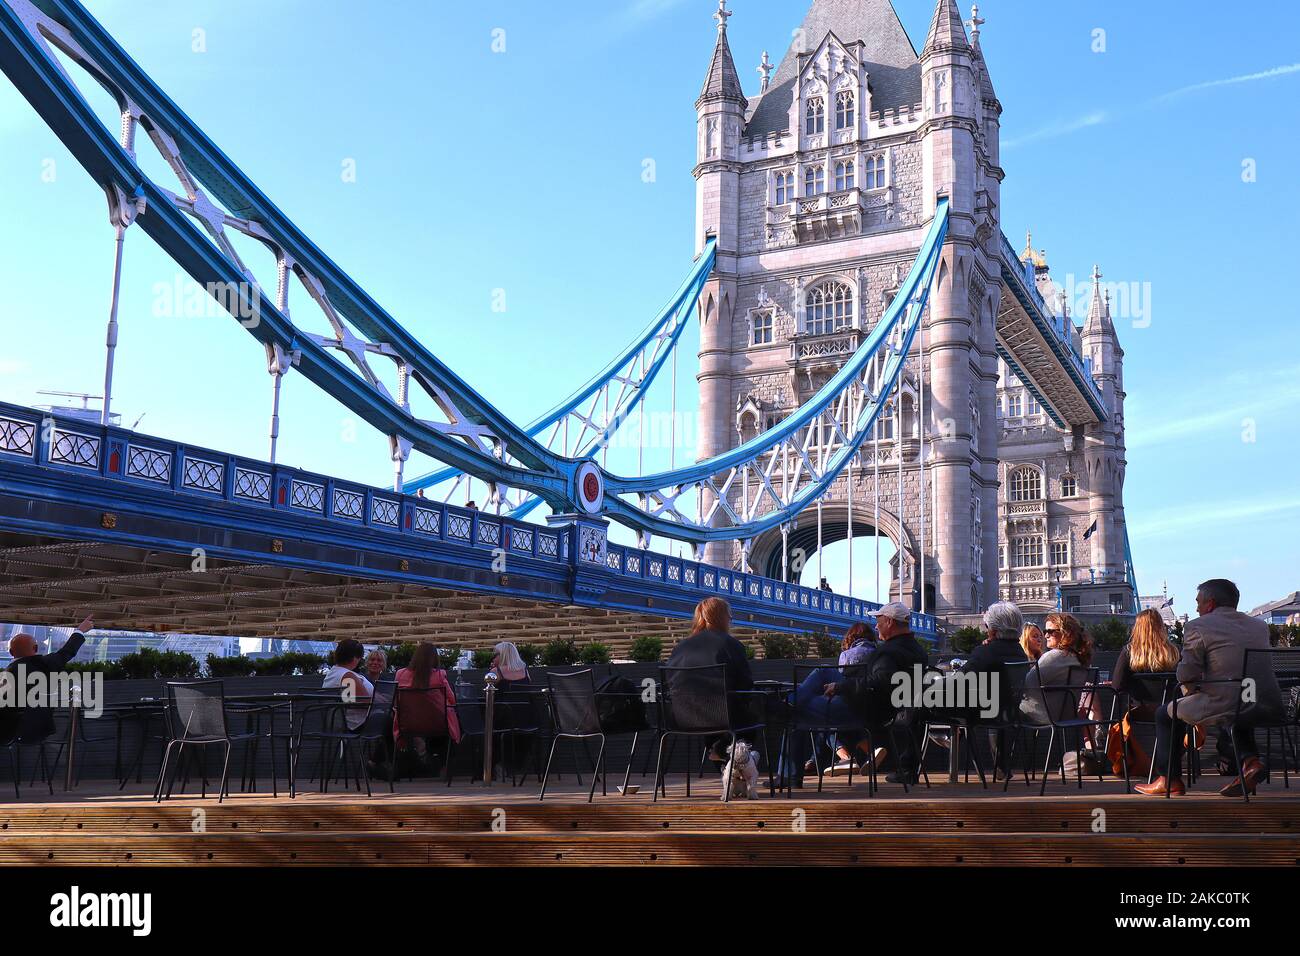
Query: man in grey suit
(1211, 671)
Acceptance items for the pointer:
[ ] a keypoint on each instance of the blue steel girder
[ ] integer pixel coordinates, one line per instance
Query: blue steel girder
(475, 438)
(1036, 345)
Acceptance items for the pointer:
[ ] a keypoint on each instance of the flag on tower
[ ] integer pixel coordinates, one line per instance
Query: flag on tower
(1092, 528)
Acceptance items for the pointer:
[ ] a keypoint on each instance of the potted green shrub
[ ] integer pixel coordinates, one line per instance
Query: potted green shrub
(646, 650)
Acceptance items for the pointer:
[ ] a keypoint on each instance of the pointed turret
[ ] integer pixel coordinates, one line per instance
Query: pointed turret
(946, 30)
(722, 84)
(1099, 321)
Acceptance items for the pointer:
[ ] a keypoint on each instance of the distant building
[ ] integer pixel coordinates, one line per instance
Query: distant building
(1165, 605)
(1283, 611)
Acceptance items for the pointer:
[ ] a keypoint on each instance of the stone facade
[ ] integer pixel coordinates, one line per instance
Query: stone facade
(819, 193)
(1059, 484)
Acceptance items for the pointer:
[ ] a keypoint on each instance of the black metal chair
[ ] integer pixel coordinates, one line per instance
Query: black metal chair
(1006, 728)
(1062, 708)
(33, 734)
(336, 739)
(1278, 666)
(196, 718)
(796, 724)
(422, 714)
(575, 709)
(473, 728)
(1157, 688)
(698, 703)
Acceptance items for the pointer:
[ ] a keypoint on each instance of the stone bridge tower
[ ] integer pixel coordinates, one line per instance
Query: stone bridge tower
(819, 192)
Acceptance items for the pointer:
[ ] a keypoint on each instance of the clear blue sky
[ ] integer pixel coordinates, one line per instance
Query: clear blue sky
(522, 171)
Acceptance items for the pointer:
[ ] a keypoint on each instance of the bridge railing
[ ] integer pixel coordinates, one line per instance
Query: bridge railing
(74, 446)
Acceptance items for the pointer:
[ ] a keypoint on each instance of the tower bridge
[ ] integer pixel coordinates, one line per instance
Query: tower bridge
(865, 329)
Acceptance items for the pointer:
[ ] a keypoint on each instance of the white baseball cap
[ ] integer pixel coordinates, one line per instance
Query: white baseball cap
(895, 610)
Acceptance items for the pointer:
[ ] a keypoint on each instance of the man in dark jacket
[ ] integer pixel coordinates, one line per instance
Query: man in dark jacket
(872, 692)
(1002, 623)
(35, 724)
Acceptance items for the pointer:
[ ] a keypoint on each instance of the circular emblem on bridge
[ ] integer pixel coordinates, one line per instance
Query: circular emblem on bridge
(590, 487)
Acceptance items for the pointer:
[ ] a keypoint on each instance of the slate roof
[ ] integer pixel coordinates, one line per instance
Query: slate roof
(895, 72)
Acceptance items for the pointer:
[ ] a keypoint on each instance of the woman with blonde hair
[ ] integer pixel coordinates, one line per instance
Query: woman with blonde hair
(1032, 642)
(710, 642)
(1148, 651)
(508, 665)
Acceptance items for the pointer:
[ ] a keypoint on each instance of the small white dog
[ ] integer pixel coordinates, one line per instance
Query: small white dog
(742, 770)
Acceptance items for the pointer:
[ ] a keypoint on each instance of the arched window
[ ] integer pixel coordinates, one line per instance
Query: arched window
(784, 187)
(1026, 485)
(829, 308)
(814, 180)
(763, 328)
(815, 116)
(844, 110)
(875, 178)
(1069, 486)
(843, 175)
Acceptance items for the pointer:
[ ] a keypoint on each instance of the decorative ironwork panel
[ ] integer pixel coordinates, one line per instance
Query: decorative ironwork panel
(521, 539)
(656, 569)
(780, 595)
(737, 585)
(252, 485)
(148, 464)
(489, 532)
(767, 592)
(690, 576)
(304, 494)
(634, 564)
(675, 573)
(200, 475)
(753, 589)
(803, 600)
(614, 560)
(548, 545)
(709, 578)
(427, 521)
(17, 437)
(458, 526)
(349, 504)
(383, 511)
(70, 448)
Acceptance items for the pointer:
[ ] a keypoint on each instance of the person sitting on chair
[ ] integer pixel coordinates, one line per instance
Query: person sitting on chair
(435, 709)
(1148, 651)
(710, 642)
(348, 655)
(814, 707)
(871, 694)
(1214, 650)
(23, 649)
(376, 665)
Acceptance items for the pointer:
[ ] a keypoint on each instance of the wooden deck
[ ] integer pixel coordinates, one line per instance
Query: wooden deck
(426, 823)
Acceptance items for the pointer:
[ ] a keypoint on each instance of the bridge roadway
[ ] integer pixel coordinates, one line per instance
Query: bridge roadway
(158, 535)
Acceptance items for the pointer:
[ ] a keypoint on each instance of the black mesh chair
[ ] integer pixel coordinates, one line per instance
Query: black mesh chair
(1158, 688)
(698, 703)
(575, 709)
(1260, 667)
(473, 729)
(421, 715)
(1062, 704)
(798, 724)
(196, 718)
(1004, 729)
(337, 741)
(33, 733)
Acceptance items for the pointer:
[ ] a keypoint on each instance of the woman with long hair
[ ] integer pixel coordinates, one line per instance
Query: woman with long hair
(426, 704)
(1032, 641)
(813, 706)
(712, 614)
(508, 665)
(1148, 651)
